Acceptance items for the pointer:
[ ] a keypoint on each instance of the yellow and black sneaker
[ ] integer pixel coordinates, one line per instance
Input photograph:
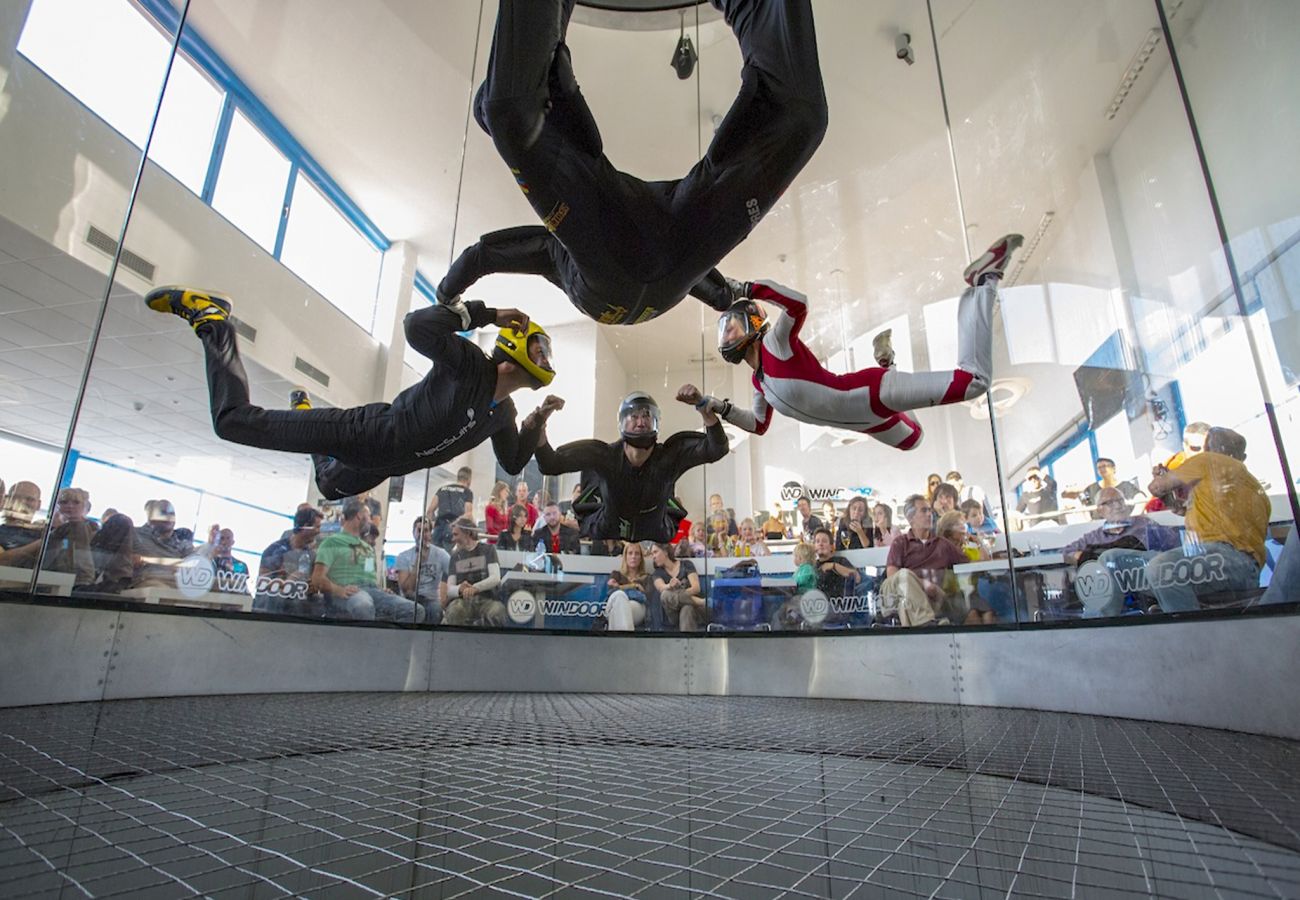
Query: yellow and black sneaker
(298, 398)
(195, 307)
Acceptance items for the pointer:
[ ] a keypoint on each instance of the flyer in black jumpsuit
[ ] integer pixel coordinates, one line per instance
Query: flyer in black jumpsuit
(449, 412)
(626, 250)
(637, 501)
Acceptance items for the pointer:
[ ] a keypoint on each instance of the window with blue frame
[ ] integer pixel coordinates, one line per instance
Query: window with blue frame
(251, 182)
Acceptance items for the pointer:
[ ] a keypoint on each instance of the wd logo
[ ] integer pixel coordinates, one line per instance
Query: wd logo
(1092, 584)
(791, 491)
(521, 607)
(816, 607)
(194, 576)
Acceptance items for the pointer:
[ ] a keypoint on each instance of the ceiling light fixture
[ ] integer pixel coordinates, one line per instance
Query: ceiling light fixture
(1004, 393)
(1030, 246)
(1130, 76)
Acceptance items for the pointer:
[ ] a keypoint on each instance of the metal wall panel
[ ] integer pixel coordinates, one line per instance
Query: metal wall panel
(52, 655)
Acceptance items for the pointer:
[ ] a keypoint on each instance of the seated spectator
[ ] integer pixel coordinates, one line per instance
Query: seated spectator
(829, 515)
(917, 570)
(1038, 496)
(749, 543)
(517, 535)
(1118, 533)
(969, 492)
(422, 571)
(805, 576)
(284, 575)
(472, 583)
(932, 481)
(496, 515)
(808, 523)
(554, 536)
(720, 540)
(521, 499)
(629, 585)
(717, 508)
(20, 506)
(945, 499)
(696, 543)
(820, 569)
(977, 521)
(773, 528)
(113, 549)
(67, 549)
(346, 572)
(159, 542)
(678, 586)
(853, 532)
(883, 531)
(1223, 545)
(952, 528)
(1090, 495)
(220, 548)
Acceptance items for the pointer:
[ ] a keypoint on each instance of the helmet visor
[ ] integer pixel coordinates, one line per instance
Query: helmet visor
(735, 330)
(642, 418)
(539, 352)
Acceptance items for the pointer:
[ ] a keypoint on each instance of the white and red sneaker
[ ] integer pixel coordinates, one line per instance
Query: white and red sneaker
(994, 261)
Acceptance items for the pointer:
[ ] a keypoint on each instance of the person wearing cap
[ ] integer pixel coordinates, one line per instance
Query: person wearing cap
(875, 401)
(1091, 494)
(628, 484)
(473, 580)
(462, 401)
(625, 250)
(284, 574)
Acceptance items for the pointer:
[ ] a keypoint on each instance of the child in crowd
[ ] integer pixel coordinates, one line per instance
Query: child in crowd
(805, 577)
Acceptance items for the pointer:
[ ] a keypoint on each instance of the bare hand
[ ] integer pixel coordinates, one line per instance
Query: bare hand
(689, 393)
(350, 590)
(512, 318)
(467, 590)
(213, 533)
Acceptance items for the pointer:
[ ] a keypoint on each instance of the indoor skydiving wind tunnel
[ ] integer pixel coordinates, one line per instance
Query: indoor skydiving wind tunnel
(887, 476)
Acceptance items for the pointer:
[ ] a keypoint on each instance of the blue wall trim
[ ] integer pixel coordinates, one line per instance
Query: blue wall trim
(202, 53)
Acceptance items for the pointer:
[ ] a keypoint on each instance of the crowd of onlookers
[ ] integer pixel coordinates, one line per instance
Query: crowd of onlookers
(329, 563)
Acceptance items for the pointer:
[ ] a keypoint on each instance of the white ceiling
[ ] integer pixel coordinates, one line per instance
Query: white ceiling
(379, 93)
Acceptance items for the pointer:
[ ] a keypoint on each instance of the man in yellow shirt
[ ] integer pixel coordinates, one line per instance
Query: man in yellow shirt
(1223, 544)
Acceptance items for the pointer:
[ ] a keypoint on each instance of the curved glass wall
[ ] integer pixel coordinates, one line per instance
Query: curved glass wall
(323, 169)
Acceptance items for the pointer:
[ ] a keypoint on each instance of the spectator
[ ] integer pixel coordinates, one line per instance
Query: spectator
(917, 568)
(932, 481)
(749, 542)
(555, 536)
(773, 528)
(952, 528)
(1227, 518)
(451, 502)
(969, 492)
(223, 560)
(422, 572)
(345, 572)
(678, 586)
(1109, 543)
(497, 514)
(1090, 495)
(284, 574)
(1037, 496)
(20, 506)
(829, 516)
(1194, 436)
(516, 536)
(629, 585)
(720, 540)
(977, 520)
(853, 531)
(521, 499)
(808, 523)
(472, 584)
(836, 576)
(945, 499)
(716, 508)
(805, 576)
(113, 549)
(158, 542)
(696, 543)
(68, 547)
(883, 531)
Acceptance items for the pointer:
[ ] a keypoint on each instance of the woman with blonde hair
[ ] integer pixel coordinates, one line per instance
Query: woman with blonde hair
(625, 607)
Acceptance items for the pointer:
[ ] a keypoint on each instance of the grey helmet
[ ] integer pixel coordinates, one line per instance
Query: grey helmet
(639, 401)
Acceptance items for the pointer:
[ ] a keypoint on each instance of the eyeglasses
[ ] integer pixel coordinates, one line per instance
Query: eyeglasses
(1195, 448)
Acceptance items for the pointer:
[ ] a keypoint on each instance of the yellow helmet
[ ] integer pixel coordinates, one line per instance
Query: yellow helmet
(530, 350)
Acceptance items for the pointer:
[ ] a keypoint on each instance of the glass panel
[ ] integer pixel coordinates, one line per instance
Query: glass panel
(187, 123)
(329, 254)
(250, 186)
(79, 83)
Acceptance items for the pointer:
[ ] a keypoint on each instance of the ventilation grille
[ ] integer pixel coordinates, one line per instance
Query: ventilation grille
(243, 329)
(310, 371)
(136, 263)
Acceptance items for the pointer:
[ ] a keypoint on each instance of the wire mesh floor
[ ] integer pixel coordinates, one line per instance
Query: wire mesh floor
(533, 795)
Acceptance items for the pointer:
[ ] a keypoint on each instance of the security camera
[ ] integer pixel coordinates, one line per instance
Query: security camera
(903, 48)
